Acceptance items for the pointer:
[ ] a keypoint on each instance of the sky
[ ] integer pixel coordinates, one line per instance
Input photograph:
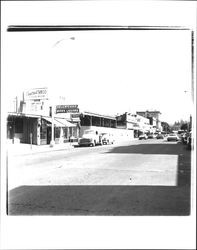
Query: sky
(107, 72)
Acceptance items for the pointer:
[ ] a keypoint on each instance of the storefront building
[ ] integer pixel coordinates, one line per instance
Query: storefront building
(31, 121)
(154, 117)
(135, 122)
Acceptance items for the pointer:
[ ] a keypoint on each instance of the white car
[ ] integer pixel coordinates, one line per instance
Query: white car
(143, 137)
(173, 137)
(107, 138)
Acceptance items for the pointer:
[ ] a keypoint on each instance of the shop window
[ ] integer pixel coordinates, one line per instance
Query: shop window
(57, 132)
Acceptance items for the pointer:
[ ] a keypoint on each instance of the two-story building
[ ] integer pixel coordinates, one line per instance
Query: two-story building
(135, 122)
(153, 116)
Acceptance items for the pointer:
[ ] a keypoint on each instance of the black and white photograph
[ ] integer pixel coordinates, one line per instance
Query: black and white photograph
(98, 124)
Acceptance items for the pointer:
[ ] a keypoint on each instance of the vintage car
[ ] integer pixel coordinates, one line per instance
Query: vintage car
(90, 138)
(107, 138)
(160, 136)
(172, 137)
(189, 140)
(151, 136)
(143, 137)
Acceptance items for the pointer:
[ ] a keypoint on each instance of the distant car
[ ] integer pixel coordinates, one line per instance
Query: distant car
(143, 137)
(107, 138)
(151, 136)
(184, 138)
(172, 137)
(189, 141)
(160, 136)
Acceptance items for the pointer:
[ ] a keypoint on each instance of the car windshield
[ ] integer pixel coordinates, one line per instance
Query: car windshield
(172, 135)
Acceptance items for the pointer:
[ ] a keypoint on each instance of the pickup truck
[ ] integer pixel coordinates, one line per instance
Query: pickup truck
(90, 138)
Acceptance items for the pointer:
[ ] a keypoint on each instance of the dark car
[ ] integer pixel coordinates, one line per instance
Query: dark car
(151, 136)
(160, 136)
(184, 138)
(189, 141)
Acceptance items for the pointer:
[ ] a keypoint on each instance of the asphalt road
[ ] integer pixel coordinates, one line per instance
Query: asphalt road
(133, 178)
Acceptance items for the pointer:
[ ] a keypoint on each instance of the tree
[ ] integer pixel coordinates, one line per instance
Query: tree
(184, 126)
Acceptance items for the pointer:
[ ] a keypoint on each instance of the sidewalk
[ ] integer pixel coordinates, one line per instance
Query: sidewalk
(26, 149)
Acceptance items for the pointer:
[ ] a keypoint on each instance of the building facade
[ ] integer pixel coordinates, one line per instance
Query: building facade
(154, 117)
(33, 117)
(139, 124)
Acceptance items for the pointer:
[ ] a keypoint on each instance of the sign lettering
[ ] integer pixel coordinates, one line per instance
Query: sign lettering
(67, 109)
(36, 94)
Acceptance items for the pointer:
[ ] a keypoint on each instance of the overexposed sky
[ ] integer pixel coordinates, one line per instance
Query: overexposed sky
(107, 72)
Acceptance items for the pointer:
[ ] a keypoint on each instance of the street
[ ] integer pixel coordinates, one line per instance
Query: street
(141, 177)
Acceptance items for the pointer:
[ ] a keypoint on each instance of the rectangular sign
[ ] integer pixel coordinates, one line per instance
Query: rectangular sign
(36, 94)
(66, 106)
(67, 109)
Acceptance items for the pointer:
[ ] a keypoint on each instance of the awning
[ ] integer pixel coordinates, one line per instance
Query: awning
(59, 122)
(65, 123)
(56, 123)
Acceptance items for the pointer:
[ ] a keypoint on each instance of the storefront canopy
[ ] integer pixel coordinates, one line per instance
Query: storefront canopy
(59, 122)
(65, 123)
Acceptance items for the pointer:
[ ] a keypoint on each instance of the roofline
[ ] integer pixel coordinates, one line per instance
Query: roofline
(154, 111)
(35, 116)
(98, 115)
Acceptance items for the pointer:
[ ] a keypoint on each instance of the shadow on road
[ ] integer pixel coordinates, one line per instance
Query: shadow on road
(110, 200)
(149, 148)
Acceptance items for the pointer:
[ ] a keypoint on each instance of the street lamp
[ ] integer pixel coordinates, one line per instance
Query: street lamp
(52, 142)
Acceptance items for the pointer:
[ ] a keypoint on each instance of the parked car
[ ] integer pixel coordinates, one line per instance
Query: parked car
(143, 137)
(184, 138)
(90, 138)
(160, 136)
(151, 136)
(189, 141)
(107, 138)
(172, 137)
